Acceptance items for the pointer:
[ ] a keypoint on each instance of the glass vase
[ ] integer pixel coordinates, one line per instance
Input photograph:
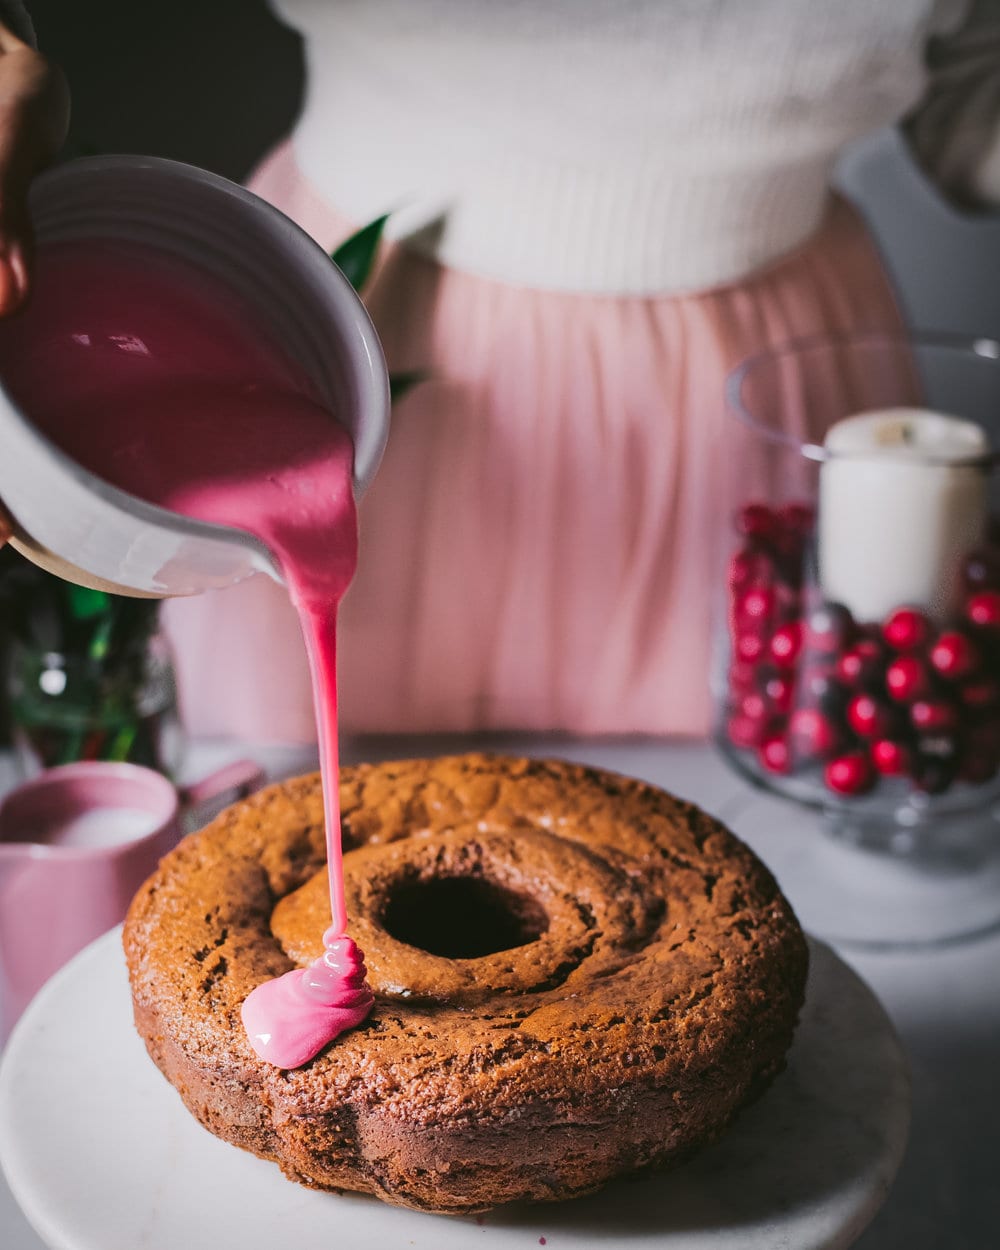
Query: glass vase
(119, 706)
(857, 666)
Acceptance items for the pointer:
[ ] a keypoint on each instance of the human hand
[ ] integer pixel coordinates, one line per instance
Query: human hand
(34, 113)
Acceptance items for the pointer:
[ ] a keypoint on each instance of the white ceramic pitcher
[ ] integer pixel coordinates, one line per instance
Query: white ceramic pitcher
(75, 524)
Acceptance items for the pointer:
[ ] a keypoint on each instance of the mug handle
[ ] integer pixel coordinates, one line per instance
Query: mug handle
(241, 779)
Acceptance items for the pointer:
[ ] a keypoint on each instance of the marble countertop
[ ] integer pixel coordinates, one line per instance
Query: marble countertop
(944, 1000)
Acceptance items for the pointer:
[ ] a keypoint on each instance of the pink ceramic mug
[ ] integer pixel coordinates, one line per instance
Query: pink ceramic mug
(76, 843)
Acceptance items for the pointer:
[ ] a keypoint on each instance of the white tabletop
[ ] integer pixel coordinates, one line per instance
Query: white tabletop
(944, 1001)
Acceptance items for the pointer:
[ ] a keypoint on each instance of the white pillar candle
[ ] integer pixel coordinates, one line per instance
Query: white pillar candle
(898, 510)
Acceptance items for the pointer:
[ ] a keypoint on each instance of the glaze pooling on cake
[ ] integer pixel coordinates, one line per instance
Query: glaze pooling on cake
(654, 990)
(290, 1019)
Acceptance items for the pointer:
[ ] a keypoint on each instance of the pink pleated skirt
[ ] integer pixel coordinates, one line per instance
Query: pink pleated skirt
(539, 548)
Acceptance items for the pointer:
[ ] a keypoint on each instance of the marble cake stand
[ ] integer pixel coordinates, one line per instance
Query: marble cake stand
(101, 1154)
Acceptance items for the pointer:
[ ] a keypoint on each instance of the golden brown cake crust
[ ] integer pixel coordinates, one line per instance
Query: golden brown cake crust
(658, 996)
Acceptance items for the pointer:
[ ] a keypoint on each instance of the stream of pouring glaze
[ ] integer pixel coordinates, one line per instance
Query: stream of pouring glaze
(152, 375)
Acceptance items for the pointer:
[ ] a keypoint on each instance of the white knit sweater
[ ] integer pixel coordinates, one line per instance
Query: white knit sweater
(627, 145)
(601, 145)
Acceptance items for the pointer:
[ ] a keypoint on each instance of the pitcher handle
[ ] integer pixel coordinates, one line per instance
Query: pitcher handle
(240, 778)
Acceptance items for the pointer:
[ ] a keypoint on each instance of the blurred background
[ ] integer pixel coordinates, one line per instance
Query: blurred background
(218, 84)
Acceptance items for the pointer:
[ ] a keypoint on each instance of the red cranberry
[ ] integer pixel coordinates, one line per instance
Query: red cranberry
(891, 758)
(861, 664)
(754, 706)
(750, 648)
(775, 755)
(741, 570)
(980, 695)
(906, 629)
(798, 518)
(780, 691)
(983, 609)
(850, 774)
(787, 601)
(867, 717)
(750, 568)
(954, 655)
(933, 716)
(756, 607)
(786, 643)
(745, 731)
(756, 520)
(906, 679)
(813, 734)
(829, 628)
(742, 676)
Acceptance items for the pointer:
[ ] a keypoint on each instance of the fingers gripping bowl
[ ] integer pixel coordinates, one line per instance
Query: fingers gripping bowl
(576, 975)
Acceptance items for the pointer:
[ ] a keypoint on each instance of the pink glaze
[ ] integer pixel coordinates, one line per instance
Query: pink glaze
(288, 1020)
(153, 377)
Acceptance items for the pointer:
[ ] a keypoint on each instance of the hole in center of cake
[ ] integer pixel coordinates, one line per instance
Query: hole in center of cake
(462, 917)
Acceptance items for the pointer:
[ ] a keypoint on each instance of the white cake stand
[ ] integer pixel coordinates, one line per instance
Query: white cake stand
(101, 1154)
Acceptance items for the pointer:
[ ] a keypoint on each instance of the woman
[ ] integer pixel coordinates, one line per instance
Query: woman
(605, 207)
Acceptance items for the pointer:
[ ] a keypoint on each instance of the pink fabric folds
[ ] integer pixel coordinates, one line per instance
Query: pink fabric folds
(538, 550)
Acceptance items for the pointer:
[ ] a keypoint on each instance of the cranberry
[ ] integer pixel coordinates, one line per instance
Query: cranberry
(983, 609)
(742, 676)
(906, 629)
(867, 717)
(850, 774)
(786, 643)
(797, 518)
(750, 648)
(980, 695)
(891, 758)
(756, 520)
(745, 731)
(780, 691)
(933, 716)
(861, 664)
(813, 734)
(750, 568)
(828, 628)
(756, 607)
(787, 601)
(954, 655)
(775, 755)
(755, 707)
(906, 679)
(741, 570)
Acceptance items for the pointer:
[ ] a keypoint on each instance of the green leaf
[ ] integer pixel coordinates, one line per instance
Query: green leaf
(101, 639)
(356, 255)
(122, 743)
(400, 383)
(85, 604)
